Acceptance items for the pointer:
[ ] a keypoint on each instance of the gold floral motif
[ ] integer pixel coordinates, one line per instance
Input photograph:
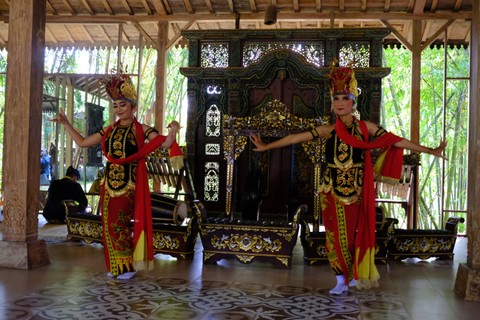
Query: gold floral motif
(246, 242)
(165, 241)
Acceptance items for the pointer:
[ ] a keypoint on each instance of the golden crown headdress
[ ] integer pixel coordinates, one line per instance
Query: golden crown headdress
(342, 81)
(120, 87)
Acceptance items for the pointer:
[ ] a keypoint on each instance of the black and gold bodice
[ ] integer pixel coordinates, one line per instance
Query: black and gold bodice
(343, 174)
(121, 143)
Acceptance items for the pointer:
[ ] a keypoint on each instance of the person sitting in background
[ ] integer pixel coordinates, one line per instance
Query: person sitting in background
(96, 184)
(66, 188)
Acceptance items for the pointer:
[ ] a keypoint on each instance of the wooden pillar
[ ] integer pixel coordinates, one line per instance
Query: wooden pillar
(415, 109)
(161, 72)
(161, 75)
(468, 274)
(20, 247)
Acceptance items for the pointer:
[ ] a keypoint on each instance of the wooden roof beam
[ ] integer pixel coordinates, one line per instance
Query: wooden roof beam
(107, 7)
(69, 6)
(296, 6)
(88, 34)
(144, 33)
(88, 7)
(457, 5)
(167, 6)
(398, 35)
(127, 7)
(208, 3)
(231, 5)
(147, 7)
(363, 5)
(386, 6)
(69, 35)
(102, 29)
(318, 5)
(255, 16)
(188, 6)
(419, 6)
(51, 8)
(442, 29)
(50, 34)
(253, 6)
(159, 7)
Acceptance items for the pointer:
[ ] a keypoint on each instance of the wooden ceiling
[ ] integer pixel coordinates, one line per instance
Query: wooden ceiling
(100, 23)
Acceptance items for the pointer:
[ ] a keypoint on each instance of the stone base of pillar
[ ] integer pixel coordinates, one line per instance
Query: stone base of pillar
(23, 255)
(467, 283)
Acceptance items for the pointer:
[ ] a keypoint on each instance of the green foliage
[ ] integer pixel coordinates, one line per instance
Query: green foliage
(438, 180)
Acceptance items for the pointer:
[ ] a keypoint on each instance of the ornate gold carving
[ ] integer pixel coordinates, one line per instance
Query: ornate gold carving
(85, 229)
(165, 241)
(207, 255)
(274, 119)
(245, 259)
(246, 242)
(283, 260)
(428, 245)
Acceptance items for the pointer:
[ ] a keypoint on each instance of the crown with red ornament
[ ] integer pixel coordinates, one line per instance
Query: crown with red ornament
(342, 81)
(119, 86)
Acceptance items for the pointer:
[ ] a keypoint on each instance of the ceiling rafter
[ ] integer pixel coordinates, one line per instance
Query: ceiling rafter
(89, 36)
(147, 7)
(51, 8)
(166, 4)
(107, 7)
(188, 6)
(434, 6)
(318, 5)
(426, 30)
(457, 5)
(144, 33)
(419, 6)
(105, 34)
(363, 5)
(404, 41)
(69, 7)
(411, 4)
(440, 30)
(209, 6)
(231, 6)
(69, 35)
(296, 7)
(159, 7)
(253, 6)
(256, 16)
(50, 34)
(127, 7)
(88, 7)
(386, 6)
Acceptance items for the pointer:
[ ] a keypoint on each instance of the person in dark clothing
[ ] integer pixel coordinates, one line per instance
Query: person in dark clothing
(66, 188)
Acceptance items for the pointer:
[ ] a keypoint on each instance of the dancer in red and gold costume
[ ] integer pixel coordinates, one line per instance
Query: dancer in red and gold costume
(125, 195)
(347, 189)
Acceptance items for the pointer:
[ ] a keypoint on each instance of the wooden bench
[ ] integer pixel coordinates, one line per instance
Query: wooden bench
(248, 240)
(172, 234)
(425, 244)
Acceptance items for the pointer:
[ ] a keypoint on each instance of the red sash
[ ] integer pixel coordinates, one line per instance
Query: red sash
(365, 272)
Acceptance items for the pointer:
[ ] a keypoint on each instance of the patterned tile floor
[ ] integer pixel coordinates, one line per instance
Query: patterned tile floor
(94, 296)
(75, 286)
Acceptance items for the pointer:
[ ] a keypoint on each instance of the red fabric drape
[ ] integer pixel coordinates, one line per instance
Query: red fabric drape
(365, 271)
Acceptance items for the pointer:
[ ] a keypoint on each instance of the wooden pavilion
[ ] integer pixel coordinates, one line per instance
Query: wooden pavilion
(28, 26)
